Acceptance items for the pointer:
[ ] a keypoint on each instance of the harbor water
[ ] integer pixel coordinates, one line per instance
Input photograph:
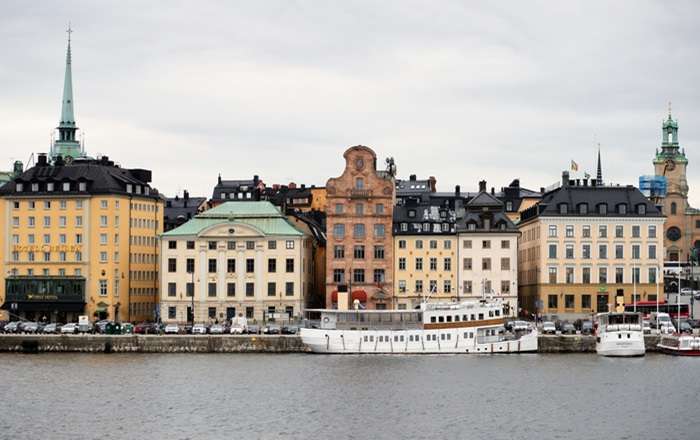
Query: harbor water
(301, 396)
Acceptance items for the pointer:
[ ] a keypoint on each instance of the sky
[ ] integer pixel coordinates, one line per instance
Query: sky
(462, 91)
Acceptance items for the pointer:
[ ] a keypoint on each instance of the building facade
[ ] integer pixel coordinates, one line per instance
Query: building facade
(79, 236)
(487, 251)
(237, 259)
(585, 247)
(359, 209)
(682, 228)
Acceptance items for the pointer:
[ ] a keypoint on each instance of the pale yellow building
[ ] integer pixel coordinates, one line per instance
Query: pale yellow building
(237, 259)
(584, 248)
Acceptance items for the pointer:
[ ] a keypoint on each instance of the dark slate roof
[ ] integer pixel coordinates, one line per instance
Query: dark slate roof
(413, 186)
(484, 199)
(180, 209)
(101, 176)
(573, 197)
(498, 222)
(237, 186)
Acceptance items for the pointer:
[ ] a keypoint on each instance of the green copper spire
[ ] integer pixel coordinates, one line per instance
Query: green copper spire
(66, 145)
(670, 148)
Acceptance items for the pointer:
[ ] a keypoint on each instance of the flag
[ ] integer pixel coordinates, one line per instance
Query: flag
(574, 166)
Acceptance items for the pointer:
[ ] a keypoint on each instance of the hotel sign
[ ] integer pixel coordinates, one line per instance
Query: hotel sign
(47, 248)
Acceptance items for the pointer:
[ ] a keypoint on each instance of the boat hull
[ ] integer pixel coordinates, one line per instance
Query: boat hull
(611, 345)
(676, 352)
(410, 342)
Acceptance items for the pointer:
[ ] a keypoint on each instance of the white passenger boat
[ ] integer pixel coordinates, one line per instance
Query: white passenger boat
(466, 327)
(619, 334)
(680, 345)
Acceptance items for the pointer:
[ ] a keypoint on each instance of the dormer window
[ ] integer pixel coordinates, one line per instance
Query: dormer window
(502, 226)
(404, 227)
(49, 186)
(138, 189)
(129, 188)
(641, 209)
(35, 187)
(82, 186)
(622, 208)
(223, 195)
(20, 187)
(411, 213)
(66, 186)
(583, 208)
(509, 206)
(563, 208)
(471, 227)
(603, 208)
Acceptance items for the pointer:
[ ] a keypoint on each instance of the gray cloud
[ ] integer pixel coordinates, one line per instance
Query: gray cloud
(458, 90)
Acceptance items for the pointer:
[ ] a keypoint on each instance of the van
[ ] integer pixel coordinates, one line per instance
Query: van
(662, 321)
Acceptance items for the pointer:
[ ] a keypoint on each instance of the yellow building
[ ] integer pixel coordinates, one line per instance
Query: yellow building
(584, 248)
(78, 236)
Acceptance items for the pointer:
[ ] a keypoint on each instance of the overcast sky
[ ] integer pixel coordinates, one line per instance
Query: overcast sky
(462, 91)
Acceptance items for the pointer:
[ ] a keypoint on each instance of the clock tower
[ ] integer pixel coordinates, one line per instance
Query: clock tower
(671, 163)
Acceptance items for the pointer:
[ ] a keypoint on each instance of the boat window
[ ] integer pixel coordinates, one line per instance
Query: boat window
(449, 336)
(449, 318)
(628, 335)
(464, 317)
(371, 339)
(441, 319)
(365, 338)
(396, 338)
(456, 318)
(466, 335)
(498, 312)
(472, 318)
(471, 334)
(434, 337)
(481, 316)
(619, 336)
(410, 338)
(432, 319)
(401, 338)
(442, 336)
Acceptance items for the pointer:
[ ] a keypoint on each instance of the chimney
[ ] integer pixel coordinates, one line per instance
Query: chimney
(457, 191)
(412, 177)
(303, 186)
(431, 182)
(585, 182)
(594, 182)
(542, 189)
(292, 185)
(219, 178)
(59, 162)
(256, 179)
(186, 195)
(482, 185)
(493, 191)
(565, 178)
(42, 160)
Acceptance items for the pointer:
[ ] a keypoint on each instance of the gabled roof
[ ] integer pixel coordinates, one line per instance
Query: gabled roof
(484, 199)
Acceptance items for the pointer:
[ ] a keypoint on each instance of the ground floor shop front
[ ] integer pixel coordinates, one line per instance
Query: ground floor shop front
(218, 312)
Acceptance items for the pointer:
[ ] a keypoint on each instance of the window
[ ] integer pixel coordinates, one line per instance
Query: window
(505, 286)
(467, 244)
(172, 265)
(569, 275)
(172, 289)
(447, 244)
(447, 264)
(552, 251)
(603, 275)
(447, 286)
(603, 231)
(402, 263)
(505, 244)
(190, 265)
(379, 252)
(230, 245)
(272, 244)
(467, 286)
(358, 230)
(652, 275)
(635, 231)
(103, 257)
(359, 209)
(586, 275)
(47, 221)
(249, 312)
(635, 275)
(82, 186)
(419, 244)
(585, 301)
(79, 221)
(583, 208)
(66, 186)
(212, 265)
(249, 289)
(652, 231)
(419, 263)
(619, 231)
(271, 289)
(378, 275)
(467, 264)
(379, 209)
(402, 244)
(62, 220)
(619, 251)
(419, 286)
(635, 252)
(172, 312)
(230, 265)
(338, 251)
(289, 244)
(103, 287)
(673, 208)
(211, 311)
(250, 245)
(289, 288)
(602, 251)
(433, 263)
(272, 265)
(338, 276)
(289, 265)
(569, 231)
(338, 208)
(103, 204)
(619, 275)
(249, 265)
(432, 286)
(378, 230)
(569, 301)
(652, 251)
(339, 231)
(358, 252)
(103, 238)
(103, 221)
(586, 231)
(552, 301)
(552, 275)
(190, 245)
(359, 183)
(505, 263)
(586, 251)
(569, 251)
(563, 208)
(485, 264)
(486, 244)
(358, 276)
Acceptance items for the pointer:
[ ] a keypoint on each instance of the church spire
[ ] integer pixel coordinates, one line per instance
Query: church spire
(599, 175)
(66, 144)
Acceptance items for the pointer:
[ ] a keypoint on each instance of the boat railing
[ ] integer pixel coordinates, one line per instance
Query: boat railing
(623, 327)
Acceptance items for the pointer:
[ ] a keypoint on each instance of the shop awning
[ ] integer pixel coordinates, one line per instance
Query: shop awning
(39, 306)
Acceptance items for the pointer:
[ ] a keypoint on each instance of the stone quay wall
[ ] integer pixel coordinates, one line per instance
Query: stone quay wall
(230, 344)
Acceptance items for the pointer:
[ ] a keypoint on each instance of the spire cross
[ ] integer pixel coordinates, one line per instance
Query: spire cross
(69, 31)
(669, 109)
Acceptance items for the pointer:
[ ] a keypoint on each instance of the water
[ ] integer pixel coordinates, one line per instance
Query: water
(235, 396)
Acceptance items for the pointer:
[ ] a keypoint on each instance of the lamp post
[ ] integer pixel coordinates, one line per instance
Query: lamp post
(192, 323)
(657, 290)
(634, 288)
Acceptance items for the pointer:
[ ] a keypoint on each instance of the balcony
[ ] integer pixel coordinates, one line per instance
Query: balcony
(360, 193)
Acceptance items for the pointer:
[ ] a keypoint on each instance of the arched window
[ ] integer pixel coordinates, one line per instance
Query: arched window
(673, 208)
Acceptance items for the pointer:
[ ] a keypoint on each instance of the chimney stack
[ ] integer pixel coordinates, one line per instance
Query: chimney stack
(457, 191)
(482, 185)
(565, 178)
(412, 177)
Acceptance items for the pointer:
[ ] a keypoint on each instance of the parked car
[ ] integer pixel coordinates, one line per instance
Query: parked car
(127, 328)
(587, 327)
(685, 327)
(11, 327)
(568, 328)
(237, 329)
(70, 328)
(548, 328)
(171, 329)
(30, 327)
(290, 330)
(217, 329)
(695, 323)
(2, 326)
(646, 327)
(86, 328)
(145, 328)
(520, 326)
(199, 329)
(272, 329)
(253, 329)
(100, 326)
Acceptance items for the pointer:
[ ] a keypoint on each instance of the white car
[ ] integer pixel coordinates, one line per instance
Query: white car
(237, 329)
(216, 329)
(549, 327)
(171, 329)
(199, 329)
(69, 328)
(520, 326)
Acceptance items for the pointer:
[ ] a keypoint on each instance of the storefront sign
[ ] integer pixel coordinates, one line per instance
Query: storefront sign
(47, 248)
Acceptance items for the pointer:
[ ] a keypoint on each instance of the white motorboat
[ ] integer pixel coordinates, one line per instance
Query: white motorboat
(619, 334)
(465, 327)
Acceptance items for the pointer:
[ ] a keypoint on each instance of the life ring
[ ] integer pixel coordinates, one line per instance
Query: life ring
(325, 319)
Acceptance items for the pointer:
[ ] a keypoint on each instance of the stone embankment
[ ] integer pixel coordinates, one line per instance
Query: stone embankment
(229, 344)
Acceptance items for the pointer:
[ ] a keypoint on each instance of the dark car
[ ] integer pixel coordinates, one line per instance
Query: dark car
(272, 329)
(2, 326)
(586, 327)
(685, 327)
(145, 328)
(695, 323)
(100, 326)
(568, 328)
(290, 330)
(253, 329)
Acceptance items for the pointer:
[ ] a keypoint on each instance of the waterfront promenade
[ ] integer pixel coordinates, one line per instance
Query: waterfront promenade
(230, 344)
